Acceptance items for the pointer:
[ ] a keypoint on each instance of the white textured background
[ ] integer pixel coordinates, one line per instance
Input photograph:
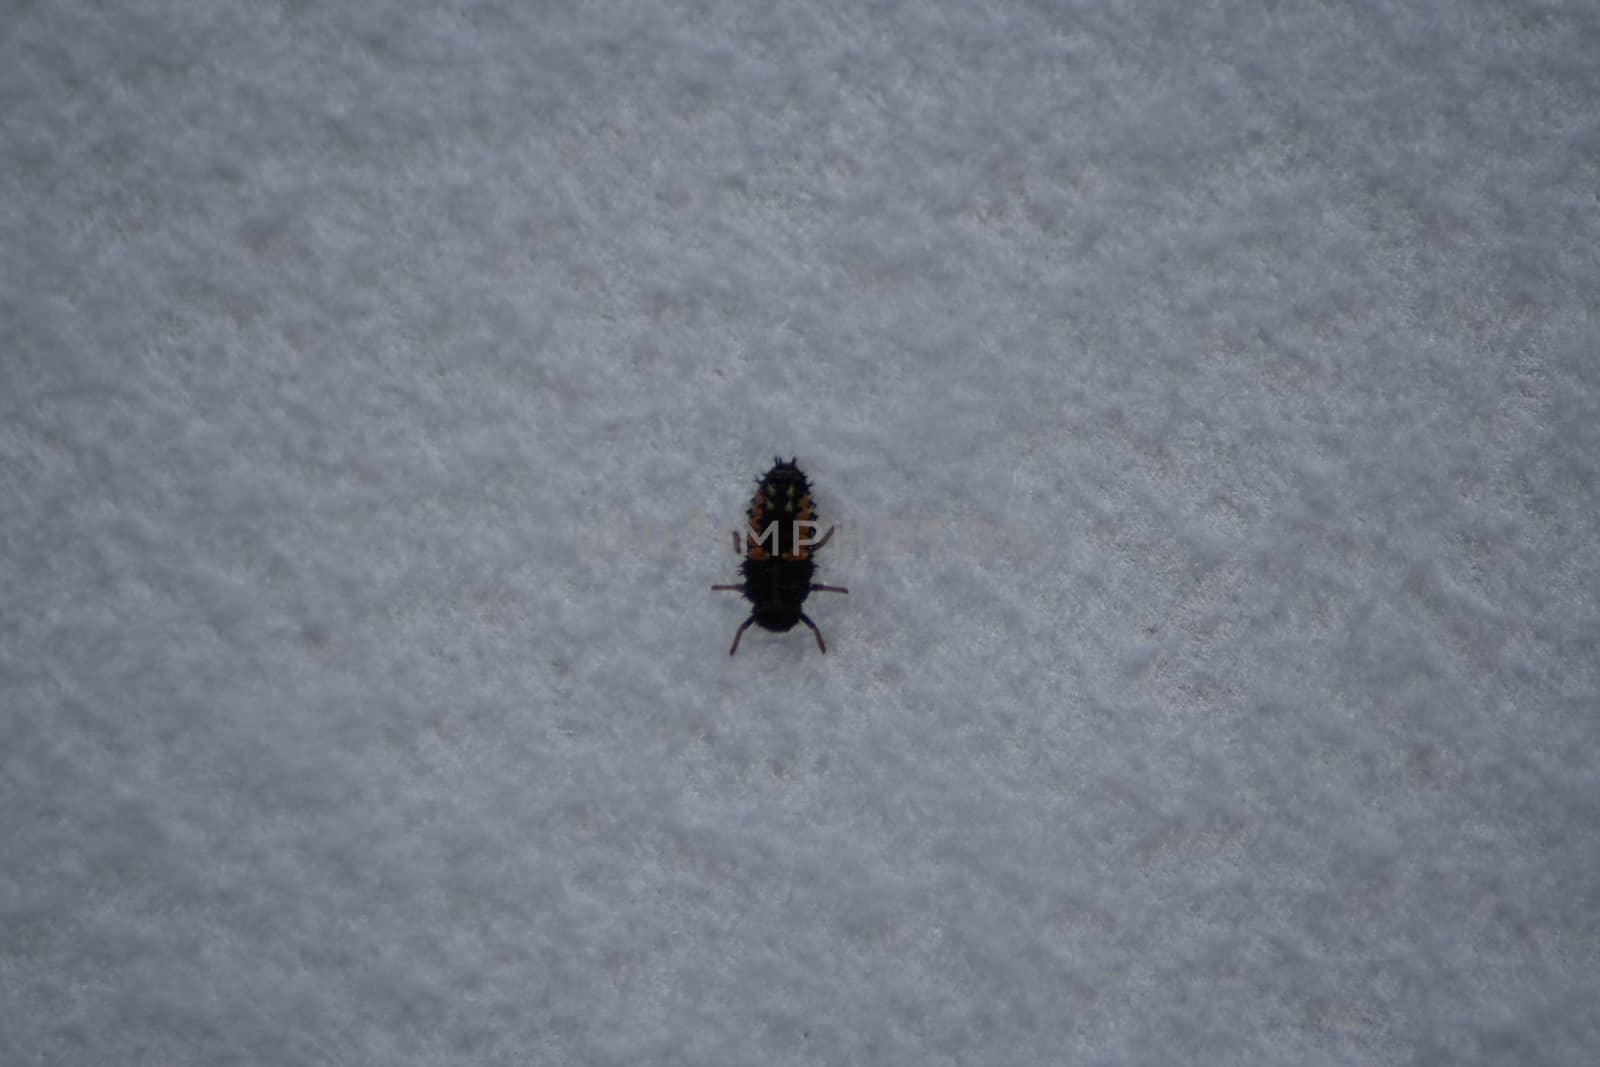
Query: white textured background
(1264, 336)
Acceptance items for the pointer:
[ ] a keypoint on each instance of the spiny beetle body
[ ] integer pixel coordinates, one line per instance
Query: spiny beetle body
(779, 549)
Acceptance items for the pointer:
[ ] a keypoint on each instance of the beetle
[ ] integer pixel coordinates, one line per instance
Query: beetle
(778, 555)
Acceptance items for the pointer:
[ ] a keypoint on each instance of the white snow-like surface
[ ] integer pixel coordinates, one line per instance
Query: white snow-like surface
(1209, 394)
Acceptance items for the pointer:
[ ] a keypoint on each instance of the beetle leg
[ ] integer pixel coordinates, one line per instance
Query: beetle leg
(807, 620)
(740, 634)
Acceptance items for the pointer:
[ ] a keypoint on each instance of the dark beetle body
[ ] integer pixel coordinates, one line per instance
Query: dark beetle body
(777, 566)
(777, 588)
